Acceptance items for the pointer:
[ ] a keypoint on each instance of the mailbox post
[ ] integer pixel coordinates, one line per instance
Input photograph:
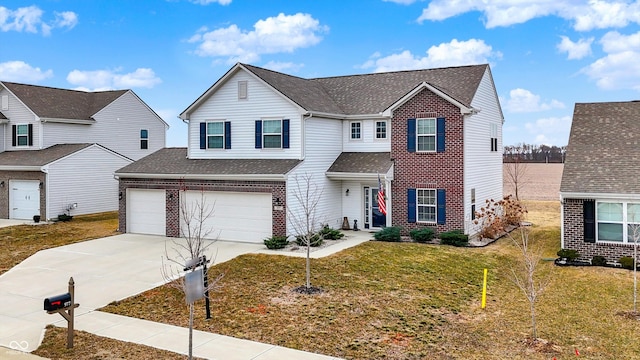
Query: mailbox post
(63, 304)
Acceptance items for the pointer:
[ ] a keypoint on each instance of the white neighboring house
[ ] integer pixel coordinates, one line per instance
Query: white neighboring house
(59, 148)
(432, 138)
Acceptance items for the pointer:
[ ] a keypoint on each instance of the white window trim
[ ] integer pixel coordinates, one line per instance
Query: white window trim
(18, 136)
(434, 135)
(624, 222)
(265, 134)
(216, 135)
(434, 206)
(351, 138)
(375, 130)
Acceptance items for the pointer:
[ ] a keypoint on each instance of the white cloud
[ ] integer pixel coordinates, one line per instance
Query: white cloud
(620, 68)
(29, 19)
(575, 50)
(283, 33)
(552, 130)
(283, 66)
(585, 15)
(207, 2)
(100, 80)
(523, 101)
(19, 71)
(453, 53)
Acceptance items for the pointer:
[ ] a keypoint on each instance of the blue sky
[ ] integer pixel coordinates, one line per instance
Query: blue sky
(545, 55)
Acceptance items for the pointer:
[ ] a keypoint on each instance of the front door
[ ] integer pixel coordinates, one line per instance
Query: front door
(378, 219)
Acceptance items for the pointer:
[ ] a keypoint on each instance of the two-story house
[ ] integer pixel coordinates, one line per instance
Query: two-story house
(59, 148)
(430, 138)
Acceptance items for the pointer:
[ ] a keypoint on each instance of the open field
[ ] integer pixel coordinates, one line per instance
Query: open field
(541, 182)
(415, 301)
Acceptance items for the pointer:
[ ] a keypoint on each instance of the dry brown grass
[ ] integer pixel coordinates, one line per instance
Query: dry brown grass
(20, 242)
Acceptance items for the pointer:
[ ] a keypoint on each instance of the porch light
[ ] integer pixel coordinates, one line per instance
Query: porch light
(346, 193)
(2, 183)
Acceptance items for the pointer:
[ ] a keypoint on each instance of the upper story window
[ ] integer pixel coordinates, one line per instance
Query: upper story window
(144, 139)
(242, 89)
(22, 135)
(215, 135)
(493, 134)
(426, 205)
(381, 129)
(426, 133)
(272, 134)
(356, 130)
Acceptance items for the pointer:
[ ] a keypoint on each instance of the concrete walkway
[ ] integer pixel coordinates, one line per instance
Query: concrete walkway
(115, 268)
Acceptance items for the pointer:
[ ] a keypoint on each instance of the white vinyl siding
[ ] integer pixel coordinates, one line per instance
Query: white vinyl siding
(94, 190)
(368, 141)
(482, 167)
(117, 127)
(263, 103)
(17, 113)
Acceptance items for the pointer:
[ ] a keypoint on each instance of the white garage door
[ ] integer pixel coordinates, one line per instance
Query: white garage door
(237, 216)
(24, 199)
(146, 211)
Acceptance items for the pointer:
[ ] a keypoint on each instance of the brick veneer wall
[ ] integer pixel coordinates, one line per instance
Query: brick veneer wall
(574, 236)
(6, 176)
(173, 187)
(428, 170)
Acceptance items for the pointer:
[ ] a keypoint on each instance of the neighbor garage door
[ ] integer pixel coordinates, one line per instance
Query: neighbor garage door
(146, 211)
(24, 199)
(236, 216)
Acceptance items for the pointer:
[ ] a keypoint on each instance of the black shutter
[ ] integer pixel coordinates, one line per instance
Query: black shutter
(285, 133)
(411, 135)
(440, 135)
(411, 205)
(203, 135)
(14, 136)
(589, 216)
(227, 134)
(441, 206)
(258, 134)
(30, 134)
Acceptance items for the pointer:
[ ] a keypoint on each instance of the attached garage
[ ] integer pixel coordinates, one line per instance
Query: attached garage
(237, 216)
(24, 199)
(146, 211)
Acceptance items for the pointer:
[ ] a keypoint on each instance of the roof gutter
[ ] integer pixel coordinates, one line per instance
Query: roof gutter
(69, 121)
(249, 177)
(21, 168)
(346, 117)
(354, 176)
(584, 195)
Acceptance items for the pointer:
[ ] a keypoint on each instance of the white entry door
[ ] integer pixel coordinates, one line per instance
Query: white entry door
(24, 199)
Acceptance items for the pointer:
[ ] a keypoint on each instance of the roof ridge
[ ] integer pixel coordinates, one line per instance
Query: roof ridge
(399, 71)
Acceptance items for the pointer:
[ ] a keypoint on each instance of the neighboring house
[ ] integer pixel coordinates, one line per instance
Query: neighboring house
(600, 191)
(59, 148)
(431, 137)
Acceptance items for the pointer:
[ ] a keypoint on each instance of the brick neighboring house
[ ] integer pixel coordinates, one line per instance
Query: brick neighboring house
(600, 192)
(59, 148)
(431, 138)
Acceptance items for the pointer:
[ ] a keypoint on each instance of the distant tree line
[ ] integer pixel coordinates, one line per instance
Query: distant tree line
(531, 153)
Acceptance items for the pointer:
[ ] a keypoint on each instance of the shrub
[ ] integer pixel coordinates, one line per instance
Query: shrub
(391, 233)
(598, 260)
(316, 240)
(568, 254)
(454, 237)
(496, 216)
(626, 262)
(276, 242)
(422, 235)
(328, 233)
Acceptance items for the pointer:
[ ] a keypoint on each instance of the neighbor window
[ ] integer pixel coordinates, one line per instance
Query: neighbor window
(381, 129)
(426, 205)
(215, 135)
(493, 134)
(426, 134)
(272, 134)
(22, 135)
(614, 217)
(356, 130)
(144, 139)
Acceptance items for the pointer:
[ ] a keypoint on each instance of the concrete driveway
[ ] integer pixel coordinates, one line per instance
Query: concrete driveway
(104, 270)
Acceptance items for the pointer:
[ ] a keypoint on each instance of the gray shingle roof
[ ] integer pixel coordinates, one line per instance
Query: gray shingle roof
(603, 152)
(39, 157)
(173, 161)
(56, 103)
(2, 117)
(371, 93)
(362, 162)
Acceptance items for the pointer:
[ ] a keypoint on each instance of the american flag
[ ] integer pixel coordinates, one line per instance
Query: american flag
(382, 205)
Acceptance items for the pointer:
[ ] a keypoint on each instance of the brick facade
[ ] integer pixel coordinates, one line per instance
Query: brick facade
(573, 222)
(7, 176)
(428, 170)
(173, 187)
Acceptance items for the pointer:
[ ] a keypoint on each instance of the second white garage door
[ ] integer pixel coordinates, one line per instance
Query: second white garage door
(237, 216)
(146, 211)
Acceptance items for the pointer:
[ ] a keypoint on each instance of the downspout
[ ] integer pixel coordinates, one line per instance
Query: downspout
(303, 142)
(46, 192)
(561, 222)
(188, 136)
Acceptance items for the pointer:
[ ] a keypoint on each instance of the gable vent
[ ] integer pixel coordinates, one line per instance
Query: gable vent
(5, 102)
(242, 89)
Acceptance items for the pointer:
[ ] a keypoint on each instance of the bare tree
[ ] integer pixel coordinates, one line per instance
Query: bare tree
(191, 250)
(304, 218)
(516, 173)
(634, 235)
(526, 275)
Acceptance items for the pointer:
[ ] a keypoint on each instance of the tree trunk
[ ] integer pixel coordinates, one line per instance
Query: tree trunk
(308, 264)
(190, 331)
(533, 320)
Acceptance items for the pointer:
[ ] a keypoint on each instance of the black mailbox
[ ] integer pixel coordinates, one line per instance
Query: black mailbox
(57, 302)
